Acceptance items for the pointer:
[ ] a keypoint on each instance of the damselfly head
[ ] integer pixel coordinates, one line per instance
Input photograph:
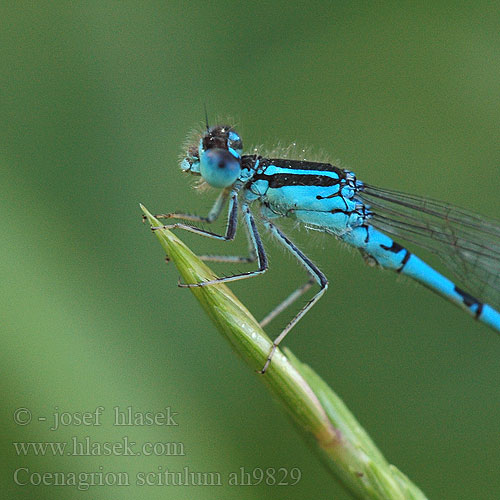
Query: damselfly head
(217, 158)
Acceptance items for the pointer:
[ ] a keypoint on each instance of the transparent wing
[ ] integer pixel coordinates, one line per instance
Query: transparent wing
(468, 244)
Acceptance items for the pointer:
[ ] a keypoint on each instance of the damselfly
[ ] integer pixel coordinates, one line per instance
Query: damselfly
(329, 199)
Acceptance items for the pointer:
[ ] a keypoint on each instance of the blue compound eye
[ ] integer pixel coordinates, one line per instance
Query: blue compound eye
(219, 167)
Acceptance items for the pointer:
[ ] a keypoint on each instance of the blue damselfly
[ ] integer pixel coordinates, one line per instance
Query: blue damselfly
(326, 198)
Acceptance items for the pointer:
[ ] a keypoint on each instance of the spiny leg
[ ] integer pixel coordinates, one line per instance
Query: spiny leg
(316, 274)
(232, 222)
(235, 259)
(287, 302)
(258, 248)
(212, 216)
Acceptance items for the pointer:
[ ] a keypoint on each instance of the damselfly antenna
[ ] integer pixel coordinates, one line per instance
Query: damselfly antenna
(206, 116)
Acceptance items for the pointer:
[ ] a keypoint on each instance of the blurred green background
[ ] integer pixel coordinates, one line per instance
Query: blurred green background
(96, 99)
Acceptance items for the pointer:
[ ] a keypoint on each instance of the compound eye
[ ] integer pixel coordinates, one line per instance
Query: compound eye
(219, 167)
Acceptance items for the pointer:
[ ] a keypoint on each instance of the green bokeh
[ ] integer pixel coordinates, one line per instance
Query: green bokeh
(96, 99)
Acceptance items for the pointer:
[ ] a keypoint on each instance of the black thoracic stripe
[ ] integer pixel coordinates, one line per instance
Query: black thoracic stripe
(281, 180)
(304, 165)
(248, 161)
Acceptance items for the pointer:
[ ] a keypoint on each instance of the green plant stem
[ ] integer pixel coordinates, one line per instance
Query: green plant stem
(337, 437)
